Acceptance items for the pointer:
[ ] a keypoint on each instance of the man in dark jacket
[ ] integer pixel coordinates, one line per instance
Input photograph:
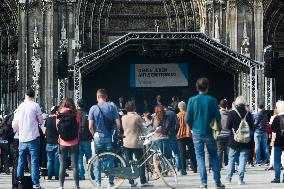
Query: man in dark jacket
(260, 135)
(84, 139)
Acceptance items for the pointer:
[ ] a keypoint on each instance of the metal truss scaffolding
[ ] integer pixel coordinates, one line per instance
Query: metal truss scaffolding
(243, 68)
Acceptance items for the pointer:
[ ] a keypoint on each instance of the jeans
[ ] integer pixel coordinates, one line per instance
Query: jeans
(183, 143)
(14, 146)
(84, 149)
(199, 142)
(52, 160)
(260, 139)
(138, 152)
(164, 146)
(103, 145)
(277, 161)
(242, 155)
(174, 146)
(63, 158)
(31, 147)
(223, 149)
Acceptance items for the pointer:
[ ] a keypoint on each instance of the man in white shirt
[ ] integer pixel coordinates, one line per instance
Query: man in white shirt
(26, 121)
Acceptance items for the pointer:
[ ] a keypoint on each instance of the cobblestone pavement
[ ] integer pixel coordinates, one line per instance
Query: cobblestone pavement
(255, 178)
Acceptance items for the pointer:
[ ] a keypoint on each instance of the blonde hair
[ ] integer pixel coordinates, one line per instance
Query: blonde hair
(240, 100)
(182, 105)
(280, 106)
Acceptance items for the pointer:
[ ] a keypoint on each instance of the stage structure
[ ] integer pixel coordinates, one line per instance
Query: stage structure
(249, 80)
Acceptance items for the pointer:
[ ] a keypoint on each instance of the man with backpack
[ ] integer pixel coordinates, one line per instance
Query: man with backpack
(202, 109)
(260, 135)
(240, 122)
(26, 120)
(85, 138)
(103, 122)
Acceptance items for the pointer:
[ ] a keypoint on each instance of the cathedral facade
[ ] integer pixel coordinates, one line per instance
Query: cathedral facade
(35, 34)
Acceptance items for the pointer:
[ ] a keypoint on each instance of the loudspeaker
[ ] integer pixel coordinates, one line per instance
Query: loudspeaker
(62, 65)
(269, 62)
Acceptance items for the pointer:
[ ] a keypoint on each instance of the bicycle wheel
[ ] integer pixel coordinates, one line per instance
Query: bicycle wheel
(167, 172)
(99, 172)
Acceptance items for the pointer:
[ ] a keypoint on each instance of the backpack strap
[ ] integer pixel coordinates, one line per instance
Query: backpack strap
(240, 114)
(101, 111)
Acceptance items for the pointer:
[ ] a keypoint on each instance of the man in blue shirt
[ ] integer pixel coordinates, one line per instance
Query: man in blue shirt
(103, 134)
(202, 109)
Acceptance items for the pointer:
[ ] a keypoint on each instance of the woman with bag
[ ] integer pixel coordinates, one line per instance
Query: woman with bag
(68, 124)
(160, 138)
(185, 140)
(239, 119)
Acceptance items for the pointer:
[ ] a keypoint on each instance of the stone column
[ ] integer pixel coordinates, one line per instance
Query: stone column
(258, 46)
(23, 48)
(210, 18)
(258, 29)
(232, 25)
(49, 84)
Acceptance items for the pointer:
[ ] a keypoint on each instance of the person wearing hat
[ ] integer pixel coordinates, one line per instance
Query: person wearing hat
(85, 138)
(26, 121)
(260, 135)
(52, 145)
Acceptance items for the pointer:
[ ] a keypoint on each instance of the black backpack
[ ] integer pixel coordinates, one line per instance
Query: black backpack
(67, 126)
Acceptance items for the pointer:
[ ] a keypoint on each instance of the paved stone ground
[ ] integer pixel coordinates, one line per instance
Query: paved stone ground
(255, 178)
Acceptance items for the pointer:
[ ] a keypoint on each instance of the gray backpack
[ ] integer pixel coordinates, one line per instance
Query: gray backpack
(242, 135)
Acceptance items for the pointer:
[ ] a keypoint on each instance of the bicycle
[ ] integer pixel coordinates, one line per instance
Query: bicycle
(111, 169)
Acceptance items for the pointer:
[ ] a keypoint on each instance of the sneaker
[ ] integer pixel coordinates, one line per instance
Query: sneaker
(251, 165)
(241, 182)
(56, 178)
(48, 179)
(259, 164)
(133, 184)
(110, 185)
(182, 173)
(37, 187)
(203, 186)
(275, 181)
(220, 186)
(147, 185)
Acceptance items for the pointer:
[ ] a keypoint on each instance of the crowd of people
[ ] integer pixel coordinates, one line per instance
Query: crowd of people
(193, 135)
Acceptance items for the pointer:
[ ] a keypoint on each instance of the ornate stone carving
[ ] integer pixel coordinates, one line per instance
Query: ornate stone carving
(36, 62)
(245, 45)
